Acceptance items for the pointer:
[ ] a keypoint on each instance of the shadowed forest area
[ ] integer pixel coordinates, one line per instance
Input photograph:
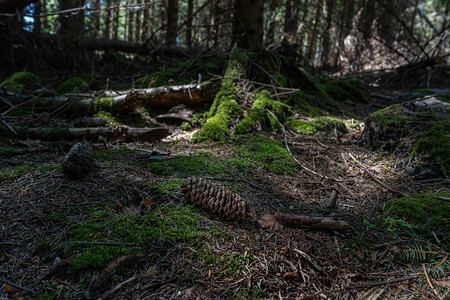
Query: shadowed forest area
(167, 149)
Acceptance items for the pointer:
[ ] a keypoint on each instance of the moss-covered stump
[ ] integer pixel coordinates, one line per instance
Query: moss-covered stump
(226, 102)
(264, 110)
(420, 127)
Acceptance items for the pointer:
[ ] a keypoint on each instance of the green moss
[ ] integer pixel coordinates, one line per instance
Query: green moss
(104, 104)
(186, 126)
(259, 112)
(226, 263)
(389, 118)
(203, 163)
(10, 173)
(72, 85)
(48, 167)
(7, 151)
(262, 152)
(112, 156)
(224, 106)
(302, 127)
(316, 124)
(435, 143)
(20, 112)
(21, 81)
(444, 97)
(168, 186)
(350, 89)
(423, 210)
(108, 117)
(181, 222)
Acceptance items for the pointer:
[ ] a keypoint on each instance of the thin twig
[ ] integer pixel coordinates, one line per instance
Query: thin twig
(429, 282)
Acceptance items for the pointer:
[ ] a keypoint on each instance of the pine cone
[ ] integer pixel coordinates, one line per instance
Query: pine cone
(215, 199)
(78, 162)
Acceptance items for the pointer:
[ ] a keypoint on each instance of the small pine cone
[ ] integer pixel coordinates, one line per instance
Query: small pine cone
(78, 162)
(215, 199)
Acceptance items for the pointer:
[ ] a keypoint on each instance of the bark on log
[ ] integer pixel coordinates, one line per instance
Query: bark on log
(93, 133)
(127, 101)
(278, 220)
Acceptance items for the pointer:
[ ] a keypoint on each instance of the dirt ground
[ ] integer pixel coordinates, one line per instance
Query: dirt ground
(292, 263)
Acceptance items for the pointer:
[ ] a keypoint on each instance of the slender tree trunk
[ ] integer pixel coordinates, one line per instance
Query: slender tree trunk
(172, 22)
(137, 33)
(328, 6)
(190, 17)
(215, 21)
(312, 39)
(107, 25)
(291, 20)
(72, 24)
(131, 14)
(248, 23)
(271, 21)
(116, 17)
(146, 24)
(37, 20)
(302, 27)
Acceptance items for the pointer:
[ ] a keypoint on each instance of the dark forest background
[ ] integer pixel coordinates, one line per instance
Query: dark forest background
(335, 35)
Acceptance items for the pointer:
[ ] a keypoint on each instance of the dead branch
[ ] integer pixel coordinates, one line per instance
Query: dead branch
(279, 219)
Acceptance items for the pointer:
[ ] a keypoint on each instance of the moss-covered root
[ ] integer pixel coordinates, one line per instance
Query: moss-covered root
(226, 102)
(259, 112)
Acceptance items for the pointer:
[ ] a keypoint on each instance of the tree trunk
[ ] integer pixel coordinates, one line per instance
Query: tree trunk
(106, 29)
(172, 22)
(115, 14)
(189, 20)
(138, 17)
(72, 24)
(248, 23)
(131, 26)
(328, 7)
(146, 24)
(291, 20)
(37, 20)
(271, 21)
(302, 26)
(312, 39)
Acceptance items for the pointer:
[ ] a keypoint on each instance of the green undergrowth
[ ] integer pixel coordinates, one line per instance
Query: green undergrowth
(172, 223)
(108, 117)
(260, 111)
(11, 173)
(435, 145)
(315, 125)
(21, 81)
(226, 264)
(168, 186)
(258, 152)
(354, 90)
(390, 118)
(183, 72)
(112, 156)
(424, 211)
(72, 85)
(202, 163)
(225, 105)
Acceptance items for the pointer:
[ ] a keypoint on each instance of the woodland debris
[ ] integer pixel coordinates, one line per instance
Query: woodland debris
(173, 119)
(99, 283)
(78, 162)
(93, 133)
(215, 199)
(279, 219)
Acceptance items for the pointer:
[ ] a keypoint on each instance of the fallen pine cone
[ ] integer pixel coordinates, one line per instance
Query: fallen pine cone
(215, 199)
(78, 162)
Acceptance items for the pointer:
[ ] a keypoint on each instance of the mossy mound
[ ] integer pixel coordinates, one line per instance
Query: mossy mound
(172, 223)
(203, 163)
(315, 125)
(72, 85)
(258, 152)
(354, 90)
(260, 112)
(434, 145)
(21, 81)
(425, 211)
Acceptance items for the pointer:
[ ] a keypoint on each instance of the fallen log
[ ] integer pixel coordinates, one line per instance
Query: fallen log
(127, 101)
(279, 219)
(93, 133)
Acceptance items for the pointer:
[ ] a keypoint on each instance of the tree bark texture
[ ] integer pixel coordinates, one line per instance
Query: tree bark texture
(248, 23)
(72, 24)
(172, 22)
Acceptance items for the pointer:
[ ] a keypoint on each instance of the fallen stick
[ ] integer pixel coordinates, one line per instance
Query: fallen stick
(279, 219)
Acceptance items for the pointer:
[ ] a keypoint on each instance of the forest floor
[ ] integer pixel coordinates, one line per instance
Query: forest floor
(128, 213)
